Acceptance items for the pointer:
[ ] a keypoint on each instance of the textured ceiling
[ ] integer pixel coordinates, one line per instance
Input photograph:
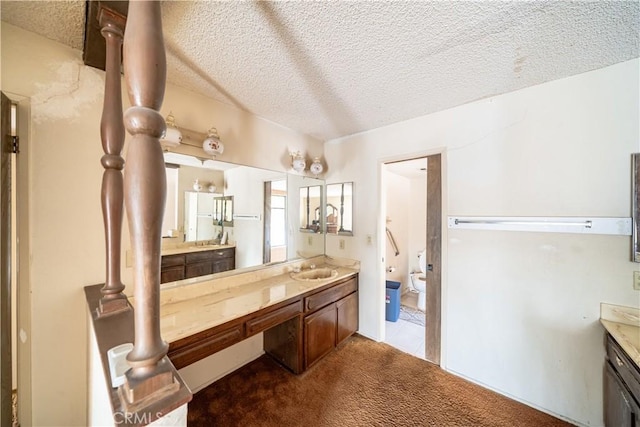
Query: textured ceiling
(330, 69)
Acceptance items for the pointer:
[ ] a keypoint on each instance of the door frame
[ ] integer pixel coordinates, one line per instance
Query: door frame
(6, 262)
(435, 325)
(23, 269)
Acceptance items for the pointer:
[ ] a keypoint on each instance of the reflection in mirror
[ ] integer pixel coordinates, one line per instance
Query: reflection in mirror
(198, 216)
(310, 203)
(206, 215)
(240, 213)
(339, 212)
(304, 242)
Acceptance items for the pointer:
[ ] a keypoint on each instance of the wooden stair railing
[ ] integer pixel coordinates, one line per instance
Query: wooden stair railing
(112, 134)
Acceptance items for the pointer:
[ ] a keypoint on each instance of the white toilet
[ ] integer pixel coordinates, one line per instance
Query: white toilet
(419, 281)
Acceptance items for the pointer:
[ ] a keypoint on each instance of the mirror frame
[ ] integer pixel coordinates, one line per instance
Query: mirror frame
(635, 207)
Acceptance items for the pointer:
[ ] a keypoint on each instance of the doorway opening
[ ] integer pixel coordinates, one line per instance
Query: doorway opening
(412, 202)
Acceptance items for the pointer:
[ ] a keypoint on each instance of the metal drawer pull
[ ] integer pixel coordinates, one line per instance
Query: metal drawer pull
(618, 361)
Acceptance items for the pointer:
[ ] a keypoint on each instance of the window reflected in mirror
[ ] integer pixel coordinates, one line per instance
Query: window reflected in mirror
(339, 208)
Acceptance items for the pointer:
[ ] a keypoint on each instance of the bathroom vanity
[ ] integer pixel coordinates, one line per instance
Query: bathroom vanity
(301, 320)
(622, 365)
(185, 263)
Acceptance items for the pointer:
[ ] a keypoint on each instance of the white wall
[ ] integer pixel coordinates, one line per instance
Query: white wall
(417, 221)
(66, 230)
(399, 206)
(520, 310)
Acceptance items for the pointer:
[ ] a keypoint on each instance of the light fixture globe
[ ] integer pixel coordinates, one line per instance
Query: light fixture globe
(298, 163)
(172, 136)
(316, 167)
(212, 145)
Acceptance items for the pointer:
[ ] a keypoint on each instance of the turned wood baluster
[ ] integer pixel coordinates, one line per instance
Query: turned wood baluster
(112, 134)
(144, 177)
(341, 208)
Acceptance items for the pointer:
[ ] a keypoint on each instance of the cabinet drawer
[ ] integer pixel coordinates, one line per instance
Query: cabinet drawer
(207, 343)
(273, 318)
(172, 260)
(330, 295)
(223, 253)
(627, 370)
(199, 256)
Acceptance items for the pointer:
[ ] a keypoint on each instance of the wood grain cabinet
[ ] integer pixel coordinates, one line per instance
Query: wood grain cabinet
(172, 268)
(336, 320)
(194, 264)
(621, 388)
(297, 332)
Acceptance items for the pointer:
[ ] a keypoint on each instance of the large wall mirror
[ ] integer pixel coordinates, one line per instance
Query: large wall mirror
(255, 210)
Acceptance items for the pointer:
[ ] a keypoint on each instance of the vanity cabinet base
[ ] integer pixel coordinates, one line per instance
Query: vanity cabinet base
(283, 343)
(621, 388)
(293, 336)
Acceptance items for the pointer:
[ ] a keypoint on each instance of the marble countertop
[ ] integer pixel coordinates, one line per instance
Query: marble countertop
(187, 310)
(623, 323)
(189, 249)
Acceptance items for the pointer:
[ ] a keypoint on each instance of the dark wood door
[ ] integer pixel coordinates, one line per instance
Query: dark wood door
(5, 261)
(347, 312)
(319, 334)
(434, 258)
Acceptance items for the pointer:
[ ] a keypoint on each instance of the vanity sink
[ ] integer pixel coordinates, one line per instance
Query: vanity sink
(317, 274)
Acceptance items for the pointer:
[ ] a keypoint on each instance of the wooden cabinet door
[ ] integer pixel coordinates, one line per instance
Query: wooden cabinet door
(319, 334)
(347, 309)
(224, 264)
(171, 274)
(617, 407)
(198, 269)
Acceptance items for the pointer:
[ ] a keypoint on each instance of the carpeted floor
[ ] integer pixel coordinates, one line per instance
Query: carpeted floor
(364, 383)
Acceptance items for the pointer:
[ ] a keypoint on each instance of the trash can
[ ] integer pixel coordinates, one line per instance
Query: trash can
(392, 301)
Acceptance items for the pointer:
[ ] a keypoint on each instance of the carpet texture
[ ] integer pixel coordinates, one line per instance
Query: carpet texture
(363, 383)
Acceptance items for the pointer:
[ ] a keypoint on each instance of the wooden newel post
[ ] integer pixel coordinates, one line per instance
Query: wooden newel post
(150, 376)
(112, 134)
